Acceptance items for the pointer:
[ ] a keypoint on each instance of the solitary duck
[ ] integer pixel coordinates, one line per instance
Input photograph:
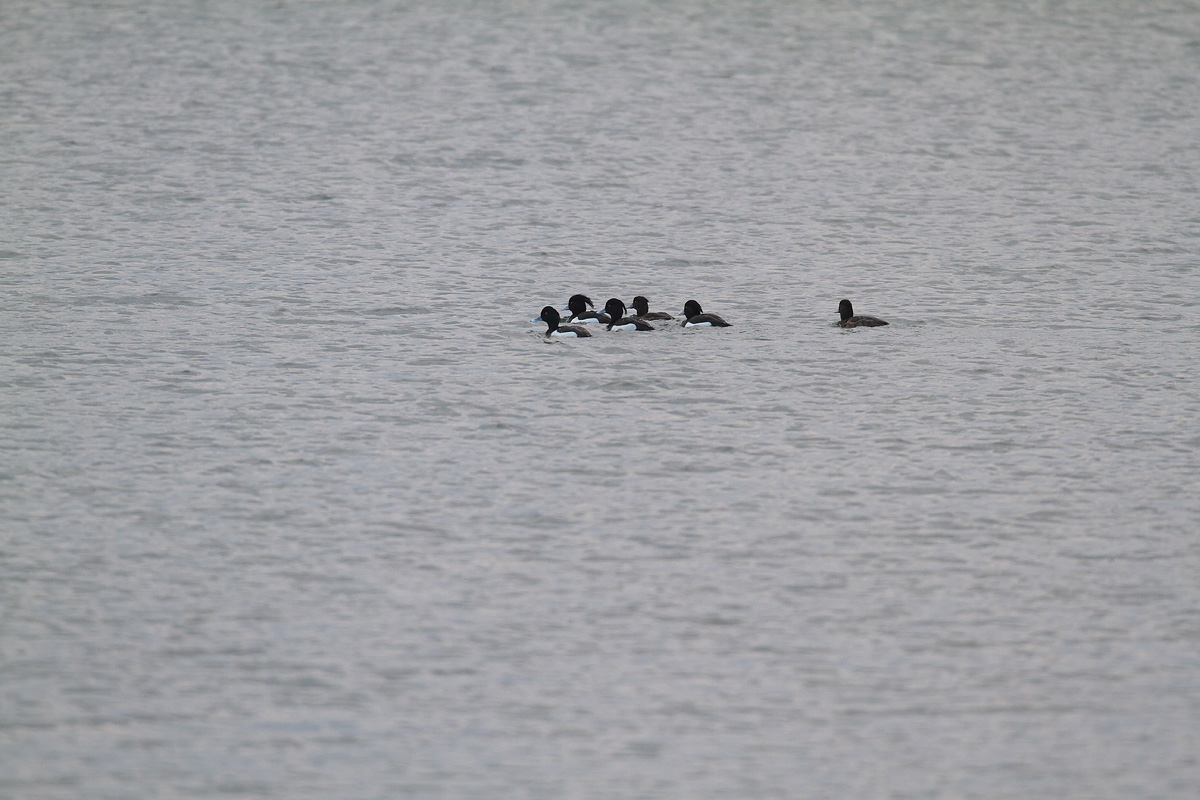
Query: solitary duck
(642, 306)
(551, 318)
(578, 306)
(846, 311)
(619, 322)
(694, 317)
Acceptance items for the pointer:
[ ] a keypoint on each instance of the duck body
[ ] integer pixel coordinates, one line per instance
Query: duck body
(579, 304)
(850, 320)
(551, 318)
(694, 317)
(641, 307)
(615, 309)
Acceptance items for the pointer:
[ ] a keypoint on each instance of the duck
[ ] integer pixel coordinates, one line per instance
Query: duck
(578, 306)
(849, 320)
(551, 318)
(619, 322)
(694, 317)
(642, 306)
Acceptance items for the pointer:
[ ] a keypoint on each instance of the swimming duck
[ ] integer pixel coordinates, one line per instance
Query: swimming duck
(578, 306)
(619, 322)
(551, 318)
(642, 306)
(848, 320)
(694, 317)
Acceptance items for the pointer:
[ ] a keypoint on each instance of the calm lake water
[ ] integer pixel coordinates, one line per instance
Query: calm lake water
(297, 503)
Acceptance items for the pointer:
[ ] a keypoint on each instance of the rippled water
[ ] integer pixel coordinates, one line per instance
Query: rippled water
(297, 503)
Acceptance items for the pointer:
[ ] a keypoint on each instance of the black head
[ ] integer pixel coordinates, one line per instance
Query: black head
(580, 303)
(615, 309)
(691, 308)
(551, 318)
(845, 310)
(641, 305)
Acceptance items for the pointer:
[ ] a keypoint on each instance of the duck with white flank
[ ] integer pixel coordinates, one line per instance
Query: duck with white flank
(578, 306)
(551, 318)
(642, 306)
(849, 320)
(694, 317)
(619, 322)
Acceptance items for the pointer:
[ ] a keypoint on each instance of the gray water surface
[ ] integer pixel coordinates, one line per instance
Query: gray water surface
(297, 503)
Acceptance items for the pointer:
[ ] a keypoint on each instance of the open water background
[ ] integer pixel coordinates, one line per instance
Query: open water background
(296, 503)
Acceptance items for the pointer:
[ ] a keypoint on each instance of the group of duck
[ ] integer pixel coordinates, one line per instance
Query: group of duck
(615, 317)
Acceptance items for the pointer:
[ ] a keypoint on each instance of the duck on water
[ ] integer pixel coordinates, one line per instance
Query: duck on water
(694, 317)
(551, 318)
(579, 304)
(642, 306)
(850, 320)
(619, 322)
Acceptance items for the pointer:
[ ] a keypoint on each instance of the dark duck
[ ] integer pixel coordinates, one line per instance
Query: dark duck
(694, 317)
(642, 306)
(850, 320)
(579, 304)
(619, 322)
(551, 318)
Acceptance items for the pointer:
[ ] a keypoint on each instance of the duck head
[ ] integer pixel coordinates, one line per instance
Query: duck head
(551, 318)
(579, 303)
